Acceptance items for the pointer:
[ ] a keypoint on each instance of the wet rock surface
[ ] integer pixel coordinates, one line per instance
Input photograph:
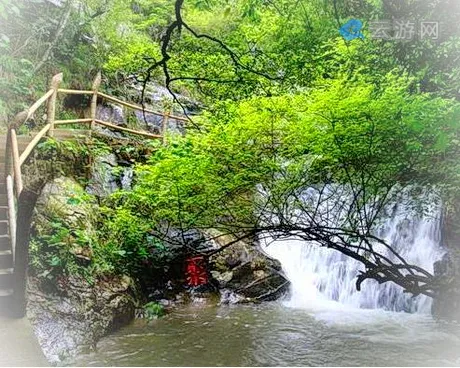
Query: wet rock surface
(69, 313)
(244, 273)
(103, 179)
(446, 305)
(73, 319)
(156, 98)
(447, 271)
(112, 113)
(58, 200)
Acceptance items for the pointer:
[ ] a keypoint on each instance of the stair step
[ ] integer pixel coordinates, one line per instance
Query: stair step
(6, 259)
(5, 242)
(3, 227)
(6, 292)
(3, 200)
(3, 213)
(6, 281)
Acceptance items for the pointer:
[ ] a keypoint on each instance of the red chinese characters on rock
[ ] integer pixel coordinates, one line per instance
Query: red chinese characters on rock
(195, 271)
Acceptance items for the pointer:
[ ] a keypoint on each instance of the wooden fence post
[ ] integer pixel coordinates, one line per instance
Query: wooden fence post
(51, 109)
(11, 211)
(95, 88)
(19, 119)
(164, 126)
(16, 163)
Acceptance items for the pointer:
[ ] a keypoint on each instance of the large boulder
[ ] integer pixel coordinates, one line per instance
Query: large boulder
(63, 204)
(71, 310)
(63, 197)
(72, 321)
(104, 179)
(111, 113)
(245, 273)
(446, 304)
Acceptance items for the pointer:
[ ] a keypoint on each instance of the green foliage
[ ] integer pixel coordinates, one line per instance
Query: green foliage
(124, 237)
(64, 240)
(130, 55)
(295, 41)
(49, 253)
(117, 240)
(371, 112)
(75, 151)
(38, 39)
(346, 131)
(154, 310)
(73, 236)
(127, 243)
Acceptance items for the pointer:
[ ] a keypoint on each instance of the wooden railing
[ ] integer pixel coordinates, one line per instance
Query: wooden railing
(14, 159)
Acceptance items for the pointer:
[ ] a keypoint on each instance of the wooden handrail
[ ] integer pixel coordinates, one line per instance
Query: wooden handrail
(137, 132)
(30, 147)
(13, 168)
(118, 101)
(12, 150)
(37, 104)
(14, 160)
(138, 107)
(25, 115)
(127, 104)
(74, 91)
(8, 154)
(72, 121)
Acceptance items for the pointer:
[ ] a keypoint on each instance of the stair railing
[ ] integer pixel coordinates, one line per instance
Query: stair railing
(14, 159)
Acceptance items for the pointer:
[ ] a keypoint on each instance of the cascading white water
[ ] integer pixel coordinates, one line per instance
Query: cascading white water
(127, 178)
(319, 275)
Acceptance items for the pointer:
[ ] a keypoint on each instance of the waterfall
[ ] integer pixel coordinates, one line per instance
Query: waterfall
(127, 178)
(320, 275)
